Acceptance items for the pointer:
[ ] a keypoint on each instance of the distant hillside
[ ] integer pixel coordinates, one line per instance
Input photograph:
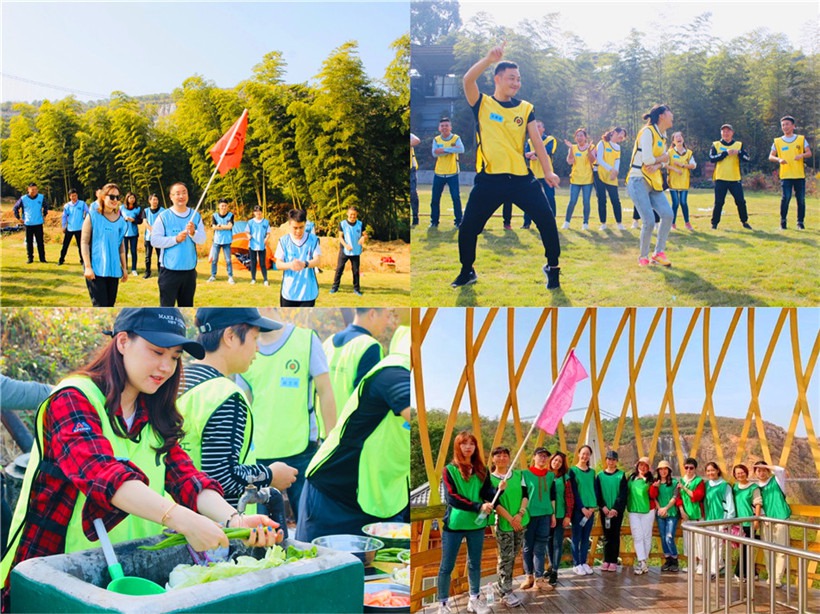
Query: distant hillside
(163, 102)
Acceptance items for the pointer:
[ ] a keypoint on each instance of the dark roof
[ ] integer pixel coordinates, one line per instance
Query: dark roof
(433, 59)
(420, 497)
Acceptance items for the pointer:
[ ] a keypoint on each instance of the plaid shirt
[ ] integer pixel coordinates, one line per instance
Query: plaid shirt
(88, 465)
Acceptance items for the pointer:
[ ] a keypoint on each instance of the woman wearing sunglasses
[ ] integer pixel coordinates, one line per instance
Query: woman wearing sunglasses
(103, 248)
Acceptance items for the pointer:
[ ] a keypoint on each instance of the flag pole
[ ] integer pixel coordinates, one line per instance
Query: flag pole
(222, 157)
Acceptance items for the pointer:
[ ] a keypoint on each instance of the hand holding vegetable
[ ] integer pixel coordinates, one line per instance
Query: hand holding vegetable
(264, 532)
(201, 532)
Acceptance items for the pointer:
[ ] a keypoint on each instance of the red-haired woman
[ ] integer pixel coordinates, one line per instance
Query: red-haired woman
(100, 437)
(468, 492)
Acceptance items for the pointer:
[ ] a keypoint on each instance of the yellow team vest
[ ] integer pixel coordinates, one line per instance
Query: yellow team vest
(727, 169)
(141, 453)
(679, 182)
(400, 343)
(414, 164)
(610, 156)
(654, 179)
(549, 144)
(501, 138)
(581, 173)
(448, 163)
(793, 169)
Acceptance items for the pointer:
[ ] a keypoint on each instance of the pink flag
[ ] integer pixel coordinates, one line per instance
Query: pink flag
(560, 398)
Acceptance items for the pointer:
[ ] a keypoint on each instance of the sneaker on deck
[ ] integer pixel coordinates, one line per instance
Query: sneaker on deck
(579, 570)
(565, 225)
(643, 261)
(465, 280)
(552, 274)
(588, 569)
(443, 608)
(476, 605)
(510, 600)
(660, 258)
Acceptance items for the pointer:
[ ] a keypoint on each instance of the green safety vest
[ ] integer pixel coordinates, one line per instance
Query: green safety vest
(539, 488)
(665, 493)
(560, 497)
(141, 453)
(400, 343)
(280, 386)
(511, 500)
(610, 486)
(343, 363)
(692, 509)
(744, 501)
(774, 501)
(585, 481)
(463, 520)
(383, 471)
(715, 497)
(638, 500)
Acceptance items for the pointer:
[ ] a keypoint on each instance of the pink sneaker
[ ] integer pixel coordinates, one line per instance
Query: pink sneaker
(610, 567)
(674, 226)
(689, 226)
(660, 258)
(643, 261)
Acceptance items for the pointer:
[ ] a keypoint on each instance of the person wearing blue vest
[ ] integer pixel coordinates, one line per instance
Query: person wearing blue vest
(74, 212)
(177, 231)
(132, 214)
(223, 237)
(259, 231)
(150, 215)
(103, 249)
(34, 207)
(296, 254)
(351, 238)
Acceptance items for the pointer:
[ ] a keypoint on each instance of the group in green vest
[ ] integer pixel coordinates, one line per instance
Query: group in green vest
(640, 503)
(611, 491)
(218, 422)
(667, 515)
(582, 478)
(116, 421)
(541, 490)
(773, 492)
(726, 155)
(789, 151)
(749, 502)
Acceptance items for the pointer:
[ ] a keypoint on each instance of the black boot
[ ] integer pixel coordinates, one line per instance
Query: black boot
(673, 565)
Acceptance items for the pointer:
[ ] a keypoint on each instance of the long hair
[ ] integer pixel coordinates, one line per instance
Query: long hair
(717, 468)
(104, 191)
(636, 474)
(563, 470)
(107, 371)
(128, 195)
(651, 116)
(467, 466)
(668, 479)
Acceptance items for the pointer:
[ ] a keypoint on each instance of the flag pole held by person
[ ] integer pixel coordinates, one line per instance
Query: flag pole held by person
(227, 152)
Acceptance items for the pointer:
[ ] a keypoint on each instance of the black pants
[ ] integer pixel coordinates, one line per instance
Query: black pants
(414, 197)
(799, 187)
(260, 256)
(601, 191)
(67, 236)
(487, 195)
(103, 290)
(283, 302)
(341, 263)
(740, 567)
(176, 287)
(131, 246)
(32, 233)
(735, 188)
(148, 250)
(612, 538)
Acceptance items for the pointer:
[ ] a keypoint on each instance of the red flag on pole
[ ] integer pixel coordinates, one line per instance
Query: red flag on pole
(560, 398)
(227, 153)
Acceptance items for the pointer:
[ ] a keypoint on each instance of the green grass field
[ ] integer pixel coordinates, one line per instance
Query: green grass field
(730, 266)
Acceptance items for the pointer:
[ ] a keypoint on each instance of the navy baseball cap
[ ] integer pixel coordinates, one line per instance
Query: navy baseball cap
(163, 326)
(541, 450)
(217, 318)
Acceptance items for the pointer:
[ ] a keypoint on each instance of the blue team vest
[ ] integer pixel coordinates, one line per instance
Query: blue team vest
(150, 217)
(32, 210)
(310, 228)
(352, 234)
(299, 285)
(132, 230)
(106, 238)
(182, 256)
(223, 237)
(74, 221)
(258, 230)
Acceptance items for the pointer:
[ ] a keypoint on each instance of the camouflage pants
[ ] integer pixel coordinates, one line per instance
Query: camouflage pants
(509, 545)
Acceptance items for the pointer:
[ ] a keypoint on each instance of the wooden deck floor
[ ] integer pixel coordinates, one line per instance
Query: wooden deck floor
(620, 591)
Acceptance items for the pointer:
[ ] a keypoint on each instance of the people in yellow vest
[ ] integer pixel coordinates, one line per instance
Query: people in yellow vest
(289, 371)
(550, 145)
(219, 428)
(512, 518)
(771, 480)
(727, 154)
(608, 157)
(681, 164)
(645, 183)
(361, 473)
(354, 351)
(581, 157)
(414, 167)
(503, 124)
(107, 447)
(446, 149)
(789, 151)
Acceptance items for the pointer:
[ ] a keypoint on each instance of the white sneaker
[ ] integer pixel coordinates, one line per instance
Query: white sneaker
(253, 281)
(638, 570)
(510, 600)
(621, 227)
(735, 580)
(603, 227)
(644, 567)
(585, 226)
(588, 569)
(565, 226)
(443, 608)
(231, 281)
(134, 272)
(267, 283)
(477, 606)
(634, 224)
(211, 278)
(579, 570)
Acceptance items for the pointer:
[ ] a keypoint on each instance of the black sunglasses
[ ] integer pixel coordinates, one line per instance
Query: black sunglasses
(688, 466)
(113, 197)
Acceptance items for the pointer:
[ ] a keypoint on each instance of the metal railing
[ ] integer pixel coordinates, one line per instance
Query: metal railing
(715, 536)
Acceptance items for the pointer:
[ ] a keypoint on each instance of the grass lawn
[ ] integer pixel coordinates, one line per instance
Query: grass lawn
(730, 266)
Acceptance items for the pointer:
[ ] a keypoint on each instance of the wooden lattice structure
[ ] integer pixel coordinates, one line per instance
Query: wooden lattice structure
(427, 554)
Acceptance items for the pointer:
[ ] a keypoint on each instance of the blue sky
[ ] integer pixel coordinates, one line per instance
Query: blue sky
(443, 359)
(152, 47)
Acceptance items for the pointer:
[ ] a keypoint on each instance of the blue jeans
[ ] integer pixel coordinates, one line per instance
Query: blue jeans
(535, 545)
(438, 187)
(556, 544)
(680, 197)
(226, 249)
(580, 538)
(450, 545)
(574, 190)
(648, 201)
(667, 527)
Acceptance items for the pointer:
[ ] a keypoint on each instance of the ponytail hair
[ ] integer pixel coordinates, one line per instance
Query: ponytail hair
(606, 136)
(654, 113)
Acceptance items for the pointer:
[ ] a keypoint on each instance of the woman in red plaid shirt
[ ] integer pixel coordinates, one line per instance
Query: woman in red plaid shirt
(107, 447)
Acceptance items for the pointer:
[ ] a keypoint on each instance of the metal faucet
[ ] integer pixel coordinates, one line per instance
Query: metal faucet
(273, 501)
(253, 494)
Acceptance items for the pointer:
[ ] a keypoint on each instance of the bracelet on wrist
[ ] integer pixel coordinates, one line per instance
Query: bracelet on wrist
(167, 512)
(231, 517)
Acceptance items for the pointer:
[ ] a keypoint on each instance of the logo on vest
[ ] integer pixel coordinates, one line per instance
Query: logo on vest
(519, 121)
(81, 427)
(293, 366)
(496, 117)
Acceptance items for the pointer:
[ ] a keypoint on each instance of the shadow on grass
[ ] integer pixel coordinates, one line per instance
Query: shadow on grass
(688, 282)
